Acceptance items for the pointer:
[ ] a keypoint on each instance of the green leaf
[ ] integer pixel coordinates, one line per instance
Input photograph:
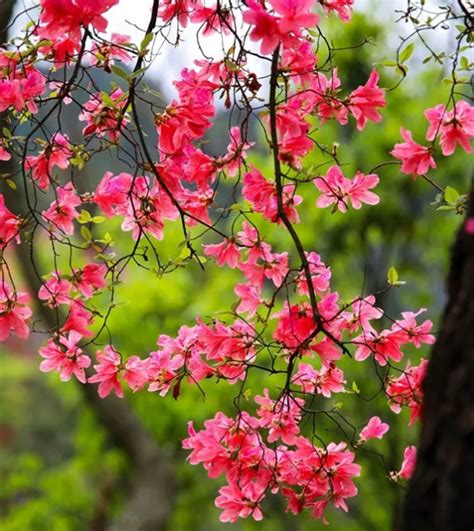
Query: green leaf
(84, 217)
(355, 388)
(98, 219)
(146, 41)
(106, 99)
(407, 52)
(120, 72)
(11, 184)
(86, 233)
(392, 276)
(138, 72)
(390, 64)
(451, 195)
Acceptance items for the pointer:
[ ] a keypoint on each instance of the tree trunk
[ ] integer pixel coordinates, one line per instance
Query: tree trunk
(440, 494)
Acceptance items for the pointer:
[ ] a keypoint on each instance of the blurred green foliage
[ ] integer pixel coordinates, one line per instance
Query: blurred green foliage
(58, 470)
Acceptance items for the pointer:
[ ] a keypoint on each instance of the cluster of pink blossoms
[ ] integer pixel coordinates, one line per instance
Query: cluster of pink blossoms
(451, 128)
(307, 476)
(286, 308)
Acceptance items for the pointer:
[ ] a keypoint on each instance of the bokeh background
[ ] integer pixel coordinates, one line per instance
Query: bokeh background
(59, 468)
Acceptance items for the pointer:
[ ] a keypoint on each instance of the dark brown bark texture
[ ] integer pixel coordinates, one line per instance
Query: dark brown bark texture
(440, 495)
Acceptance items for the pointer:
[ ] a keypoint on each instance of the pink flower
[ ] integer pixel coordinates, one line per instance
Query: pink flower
(225, 253)
(409, 462)
(229, 348)
(11, 95)
(300, 61)
(384, 346)
(295, 325)
(291, 17)
(407, 390)
(107, 371)
(295, 15)
(112, 193)
(105, 53)
(236, 152)
(215, 18)
(9, 225)
(179, 9)
(14, 312)
(328, 105)
(326, 381)
(135, 372)
(339, 190)
(250, 298)
(62, 212)
(90, 278)
(262, 263)
(163, 368)
(263, 196)
(105, 116)
(375, 429)
(343, 8)
(56, 154)
(55, 291)
(280, 417)
(148, 207)
(364, 101)
(79, 319)
(363, 311)
(32, 85)
(65, 357)
(416, 334)
(63, 16)
(240, 502)
(4, 154)
(265, 26)
(320, 275)
(453, 127)
(189, 118)
(416, 159)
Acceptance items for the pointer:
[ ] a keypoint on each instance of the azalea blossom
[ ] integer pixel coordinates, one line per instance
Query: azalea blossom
(89, 279)
(375, 429)
(65, 357)
(225, 253)
(107, 372)
(339, 191)
(343, 8)
(453, 127)
(9, 225)
(408, 464)
(407, 390)
(62, 212)
(55, 291)
(14, 312)
(55, 155)
(416, 159)
(365, 101)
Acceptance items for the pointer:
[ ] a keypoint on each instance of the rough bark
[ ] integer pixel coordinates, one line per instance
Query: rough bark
(440, 494)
